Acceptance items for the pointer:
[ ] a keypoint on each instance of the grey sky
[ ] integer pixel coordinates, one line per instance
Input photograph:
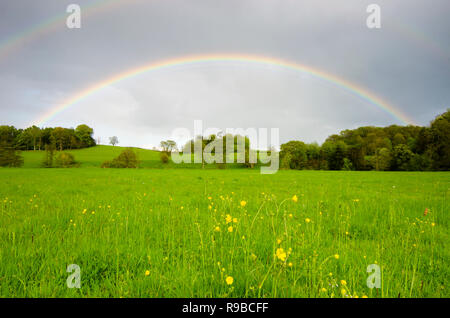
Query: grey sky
(406, 62)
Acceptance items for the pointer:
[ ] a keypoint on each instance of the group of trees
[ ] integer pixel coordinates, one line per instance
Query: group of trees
(212, 144)
(400, 148)
(59, 160)
(35, 138)
(13, 140)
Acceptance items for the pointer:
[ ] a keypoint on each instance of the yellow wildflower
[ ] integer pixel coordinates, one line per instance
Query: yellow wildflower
(230, 229)
(229, 280)
(294, 198)
(336, 256)
(281, 254)
(147, 272)
(243, 203)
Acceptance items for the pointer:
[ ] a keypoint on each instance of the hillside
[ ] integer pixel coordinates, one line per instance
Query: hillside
(94, 156)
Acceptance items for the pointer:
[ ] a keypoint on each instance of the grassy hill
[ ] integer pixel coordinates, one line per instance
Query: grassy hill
(94, 156)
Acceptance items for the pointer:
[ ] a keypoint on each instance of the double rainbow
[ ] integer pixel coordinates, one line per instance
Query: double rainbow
(226, 58)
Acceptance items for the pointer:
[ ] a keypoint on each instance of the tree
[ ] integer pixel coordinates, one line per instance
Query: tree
(168, 146)
(113, 140)
(440, 141)
(60, 137)
(399, 139)
(383, 159)
(401, 156)
(9, 157)
(313, 156)
(84, 134)
(35, 133)
(293, 155)
(49, 155)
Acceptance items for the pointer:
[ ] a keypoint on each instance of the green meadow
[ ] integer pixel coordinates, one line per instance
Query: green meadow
(186, 232)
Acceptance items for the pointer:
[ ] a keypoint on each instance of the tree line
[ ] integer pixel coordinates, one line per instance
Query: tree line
(35, 138)
(396, 148)
(217, 144)
(13, 140)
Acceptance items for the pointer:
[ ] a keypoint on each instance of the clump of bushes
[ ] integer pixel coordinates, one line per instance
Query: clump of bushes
(65, 160)
(62, 160)
(126, 159)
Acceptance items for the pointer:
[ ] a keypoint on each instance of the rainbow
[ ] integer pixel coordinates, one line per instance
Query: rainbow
(224, 58)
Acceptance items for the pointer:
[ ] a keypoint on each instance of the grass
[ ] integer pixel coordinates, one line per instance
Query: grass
(117, 224)
(93, 158)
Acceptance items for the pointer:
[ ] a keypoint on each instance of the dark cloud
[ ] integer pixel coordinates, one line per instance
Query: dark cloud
(406, 62)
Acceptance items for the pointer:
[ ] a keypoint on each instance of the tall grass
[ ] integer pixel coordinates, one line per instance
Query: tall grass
(175, 224)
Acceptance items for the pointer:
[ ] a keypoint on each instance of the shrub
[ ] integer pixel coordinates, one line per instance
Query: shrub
(106, 164)
(65, 160)
(164, 157)
(126, 159)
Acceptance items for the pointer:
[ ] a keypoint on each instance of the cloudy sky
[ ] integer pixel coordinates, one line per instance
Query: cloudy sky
(43, 64)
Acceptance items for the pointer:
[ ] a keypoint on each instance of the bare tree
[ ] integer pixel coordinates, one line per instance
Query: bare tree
(113, 140)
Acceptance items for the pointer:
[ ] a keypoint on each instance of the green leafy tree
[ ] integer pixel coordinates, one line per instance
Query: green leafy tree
(439, 147)
(293, 154)
(9, 157)
(84, 134)
(49, 156)
(401, 157)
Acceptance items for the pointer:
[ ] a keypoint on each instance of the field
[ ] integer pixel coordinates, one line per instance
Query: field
(187, 232)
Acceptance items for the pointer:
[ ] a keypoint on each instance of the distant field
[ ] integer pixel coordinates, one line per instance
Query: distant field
(182, 232)
(93, 158)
